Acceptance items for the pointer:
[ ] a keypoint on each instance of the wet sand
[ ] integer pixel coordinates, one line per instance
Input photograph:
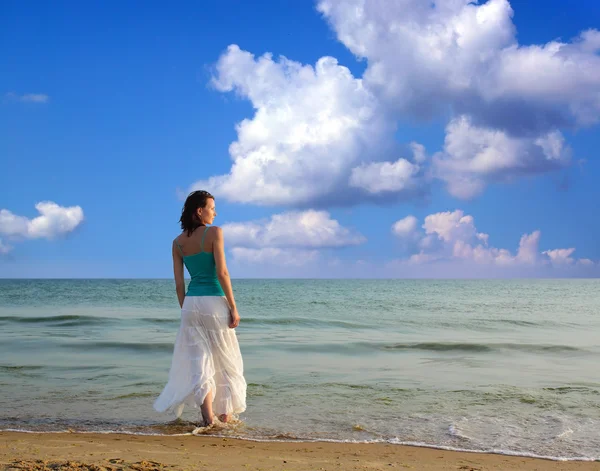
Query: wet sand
(97, 452)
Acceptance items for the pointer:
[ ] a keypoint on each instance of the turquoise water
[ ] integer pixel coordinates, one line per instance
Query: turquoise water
(506, 366)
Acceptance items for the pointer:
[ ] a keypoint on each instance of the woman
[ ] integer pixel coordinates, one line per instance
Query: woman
(207, 369)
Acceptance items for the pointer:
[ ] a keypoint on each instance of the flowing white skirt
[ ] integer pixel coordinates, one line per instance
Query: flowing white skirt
(206, 358)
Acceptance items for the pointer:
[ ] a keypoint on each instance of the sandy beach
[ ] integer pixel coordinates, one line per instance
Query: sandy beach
(75, 451)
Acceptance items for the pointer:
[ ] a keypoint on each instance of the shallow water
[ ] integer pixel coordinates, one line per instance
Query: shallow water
(509, 366)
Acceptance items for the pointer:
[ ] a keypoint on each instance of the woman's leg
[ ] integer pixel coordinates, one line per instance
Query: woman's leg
(207, 410)
(230, 385)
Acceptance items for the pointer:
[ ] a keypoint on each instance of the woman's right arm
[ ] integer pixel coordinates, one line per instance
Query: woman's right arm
(223, 275)
(178, 273)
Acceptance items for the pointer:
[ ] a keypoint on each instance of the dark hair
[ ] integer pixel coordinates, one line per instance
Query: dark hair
(189, 220)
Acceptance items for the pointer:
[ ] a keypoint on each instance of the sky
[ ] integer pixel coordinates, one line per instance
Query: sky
(341, 138)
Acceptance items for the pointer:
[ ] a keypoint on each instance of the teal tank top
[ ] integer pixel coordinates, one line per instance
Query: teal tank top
(203, 271)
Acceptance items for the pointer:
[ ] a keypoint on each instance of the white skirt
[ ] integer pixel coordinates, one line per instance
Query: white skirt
(206, 358)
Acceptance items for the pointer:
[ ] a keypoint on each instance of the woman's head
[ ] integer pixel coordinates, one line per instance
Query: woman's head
(198, 210)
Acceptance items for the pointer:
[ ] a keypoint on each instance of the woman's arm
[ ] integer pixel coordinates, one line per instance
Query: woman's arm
(178, 272)
(223, 275)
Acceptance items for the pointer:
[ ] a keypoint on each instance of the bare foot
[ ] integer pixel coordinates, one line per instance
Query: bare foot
(224, 418)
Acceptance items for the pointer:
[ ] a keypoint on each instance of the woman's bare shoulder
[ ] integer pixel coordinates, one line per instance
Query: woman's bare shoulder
(215, 234)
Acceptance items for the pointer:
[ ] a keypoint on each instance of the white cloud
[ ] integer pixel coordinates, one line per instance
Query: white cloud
(560, 80)
(450, 226)
(405, 227)
(314, 131)
(13, 225)
(53, 221)
(425, 56)
(379, 177)
(453, 237)
(474, 156)
(563, 256)
(290, 238)
(419, 154)
(585, 262)
(529, 248)
(319, 134)
(274, 256)
(459, 57)
(28, 97)
(314, 229)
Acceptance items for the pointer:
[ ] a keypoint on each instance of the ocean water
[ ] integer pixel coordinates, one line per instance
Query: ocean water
(503, 366)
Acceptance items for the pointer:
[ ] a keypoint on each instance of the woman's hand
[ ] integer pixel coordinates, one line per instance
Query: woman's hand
(234, 318)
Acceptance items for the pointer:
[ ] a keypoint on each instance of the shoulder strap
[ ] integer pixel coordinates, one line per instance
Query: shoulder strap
(202, 241)
(179, 247)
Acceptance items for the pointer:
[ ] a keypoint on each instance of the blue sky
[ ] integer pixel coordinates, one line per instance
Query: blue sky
(112, 112)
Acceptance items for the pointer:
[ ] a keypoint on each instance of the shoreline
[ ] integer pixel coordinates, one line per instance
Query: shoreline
(499, 452)
(114, 451)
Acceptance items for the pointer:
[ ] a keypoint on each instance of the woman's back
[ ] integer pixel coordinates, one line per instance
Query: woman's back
(200, 264)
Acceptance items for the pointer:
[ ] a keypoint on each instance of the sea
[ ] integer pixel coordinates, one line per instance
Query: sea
(501, 366)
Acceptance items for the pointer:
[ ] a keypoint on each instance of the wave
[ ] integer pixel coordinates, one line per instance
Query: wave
(163, 347)
(570, 389)
(24, 369)
(79, 320)
(482, 347)
(387, 393)
(517, 322)
(306, 322)
(63, 320)
(158, 320)
(134, 395)
(82, 320)
(353, 348)
(19, 368)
